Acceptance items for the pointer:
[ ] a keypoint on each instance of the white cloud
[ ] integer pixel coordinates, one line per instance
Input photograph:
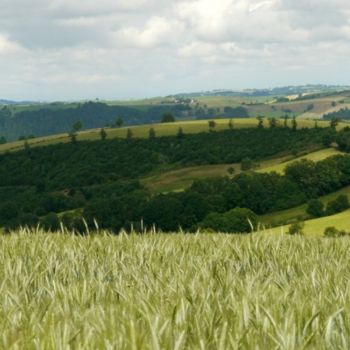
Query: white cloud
(112, 45)
(8, 47)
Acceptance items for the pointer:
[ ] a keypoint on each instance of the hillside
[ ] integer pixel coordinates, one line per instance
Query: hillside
(316, 227)
(161, 129)
(115, 181)
(44, 119)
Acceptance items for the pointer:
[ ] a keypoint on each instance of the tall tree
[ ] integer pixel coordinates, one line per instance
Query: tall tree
(103, 134)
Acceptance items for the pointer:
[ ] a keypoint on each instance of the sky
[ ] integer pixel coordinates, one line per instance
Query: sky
(117, 49)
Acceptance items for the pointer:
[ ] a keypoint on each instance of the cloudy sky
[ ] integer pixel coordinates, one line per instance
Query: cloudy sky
(76, 49)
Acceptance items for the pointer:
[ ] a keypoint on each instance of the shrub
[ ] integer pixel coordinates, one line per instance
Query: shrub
(333, 232)
(338, 205)
(296, 229)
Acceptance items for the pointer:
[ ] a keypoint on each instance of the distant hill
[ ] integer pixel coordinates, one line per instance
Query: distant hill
(277, 91)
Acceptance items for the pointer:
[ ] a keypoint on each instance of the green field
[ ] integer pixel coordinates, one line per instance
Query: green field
(190, 127)
(158, 291)
(316, 227)
(179, 179)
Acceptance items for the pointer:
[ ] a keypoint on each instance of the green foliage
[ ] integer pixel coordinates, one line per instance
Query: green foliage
(129, 134)
(98, 180)
(119, 122)
(333, 232)
(238, 220)
(48, 120)
(212, 124)
(77, 126)
(338, 205)
(315, 208)
(296, 229)
(168, 118)
(247, 164)
(103, 134)
(152, 133)
(343, 139)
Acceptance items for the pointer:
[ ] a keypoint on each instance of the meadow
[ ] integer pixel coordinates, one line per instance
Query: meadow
(157, 291)
(169, 180)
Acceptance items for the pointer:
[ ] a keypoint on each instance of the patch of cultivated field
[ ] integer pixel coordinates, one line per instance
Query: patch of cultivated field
(316, 227)
(319, 114)
(176, 291)
(314, 156)
(142, 131)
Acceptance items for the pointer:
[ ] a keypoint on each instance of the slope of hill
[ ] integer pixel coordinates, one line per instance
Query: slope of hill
(161, 129)
(316, 227)
(43, 119)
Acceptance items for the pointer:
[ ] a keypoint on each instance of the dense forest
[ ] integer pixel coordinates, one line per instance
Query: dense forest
(58, 118)
(48, 121)
(100, 180)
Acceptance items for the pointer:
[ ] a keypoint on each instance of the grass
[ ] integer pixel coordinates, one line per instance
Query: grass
(314, 156)
(317, 226)
(142, 131)
(299, 213)
(180, 179)
(176, 291)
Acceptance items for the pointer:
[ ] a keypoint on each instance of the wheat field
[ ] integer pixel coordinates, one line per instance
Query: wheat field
(157, 291)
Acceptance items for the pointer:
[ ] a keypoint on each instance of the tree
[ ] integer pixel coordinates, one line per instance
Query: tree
(73, 137)
(103, 134)
(333, 123)
(77, 126)
(26, 145)
(333, 232)
(315, 208)
(294, 123)
(3, 140)
(272, 123)
(260, 122)
(119, 122)
(212, 125)
(231, 170)
(285, 123)
(316, 124)
(168, 118)
(180, 133)
(152, 133)
(230, 124)
(246, 164)
(296, 229)
(129, 134)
